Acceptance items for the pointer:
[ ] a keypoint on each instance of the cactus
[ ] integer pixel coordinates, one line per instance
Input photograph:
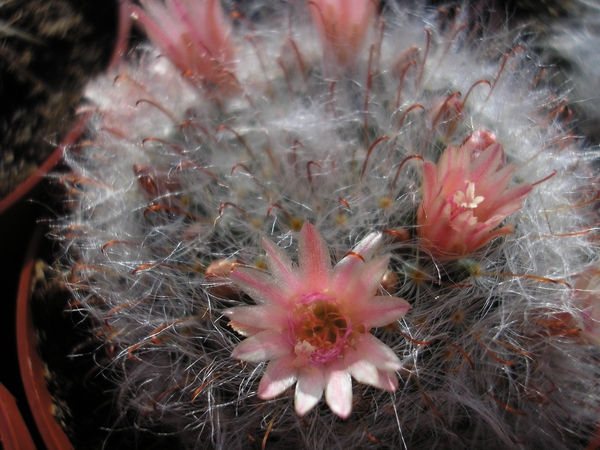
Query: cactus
(190, 187)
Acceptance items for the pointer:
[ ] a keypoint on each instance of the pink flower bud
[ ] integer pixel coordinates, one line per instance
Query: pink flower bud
(465, 197)
(480, 140)
(343, 25)
(195, 36)
(446, 114)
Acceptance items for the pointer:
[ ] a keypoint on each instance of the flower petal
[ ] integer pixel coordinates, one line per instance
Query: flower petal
(309, 389)
(280, 375)
(387, 381)
(381, 311)
(379, 354)
(338, 392)
(342, 26)
(280, 265)
(495, 184)
(482, 238)
(372, 274)
(313, 257)
(266, 345)
(364, 371)
(487, 163)
(244, 329)
(453, 164)
(357, 285)
(431, 187)
(160, 35)
(365, 248)
(258, 285)
(361, 369)
(261, 317)
(511, 200)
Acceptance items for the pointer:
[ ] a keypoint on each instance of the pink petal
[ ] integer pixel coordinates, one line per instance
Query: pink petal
(159, 34)
(309, 389)
(462, 225)
(487, 163)
(338, 392)
(280, 266)
(487, 237)
(356, 287)
(280, 375)
(430, 188)
(258, 285)
(206, 22)
(266, 345)
(514, 195)
(364, 371)
(371, 275)
(377, 353)
(494, 185)
(445, 164)
(349, 273)
(359, 10)
(163, 16)
(381, 311)
(342, 26)
(368, 245)
(453, 163)
(244, 329)
(388, 381)
(262, 317)
(313, 257)
(183, 15)
(361, 369)
(434, 222)
(454, 180)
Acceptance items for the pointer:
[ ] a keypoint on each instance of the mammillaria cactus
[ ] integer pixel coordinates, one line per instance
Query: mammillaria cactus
(204, 225)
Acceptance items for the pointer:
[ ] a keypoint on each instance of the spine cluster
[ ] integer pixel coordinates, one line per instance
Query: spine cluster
(179, 181)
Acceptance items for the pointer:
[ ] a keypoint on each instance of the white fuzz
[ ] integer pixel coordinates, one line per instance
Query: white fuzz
(570, 43)
(173, 178)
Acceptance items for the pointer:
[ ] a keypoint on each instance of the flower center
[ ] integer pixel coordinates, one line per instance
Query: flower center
(464, 199)
(319, 329)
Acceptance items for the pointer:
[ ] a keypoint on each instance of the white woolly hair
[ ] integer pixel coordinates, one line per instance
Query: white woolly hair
(170, 180)
(569, 42)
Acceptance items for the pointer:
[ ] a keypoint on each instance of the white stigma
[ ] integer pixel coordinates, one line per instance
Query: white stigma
(467, 199)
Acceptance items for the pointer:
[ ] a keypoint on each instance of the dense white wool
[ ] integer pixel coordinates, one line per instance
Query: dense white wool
(171, 180)
(570, 42)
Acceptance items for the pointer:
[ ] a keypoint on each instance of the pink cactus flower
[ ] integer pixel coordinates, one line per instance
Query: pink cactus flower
(312, 322)
(343, 26)
(465, 197)
(587, 297)
(195, 36)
